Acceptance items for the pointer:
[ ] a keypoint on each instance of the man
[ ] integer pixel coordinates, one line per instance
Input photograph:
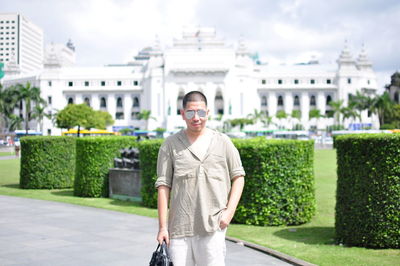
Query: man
(200, 173)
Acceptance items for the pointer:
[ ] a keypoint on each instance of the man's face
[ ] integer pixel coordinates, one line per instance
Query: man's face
(195, 115)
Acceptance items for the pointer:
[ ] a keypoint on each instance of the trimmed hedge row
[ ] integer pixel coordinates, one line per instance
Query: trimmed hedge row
(47, 162)
(368, 190)
(279, 185)
(94, 158)
(148, 153)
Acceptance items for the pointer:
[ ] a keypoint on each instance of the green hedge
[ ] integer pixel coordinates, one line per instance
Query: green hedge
(94, 158)
(279, 183)
(47, 162)
(148, 153)
(368, 190)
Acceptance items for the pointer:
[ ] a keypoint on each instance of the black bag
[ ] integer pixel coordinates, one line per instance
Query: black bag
(161, 256)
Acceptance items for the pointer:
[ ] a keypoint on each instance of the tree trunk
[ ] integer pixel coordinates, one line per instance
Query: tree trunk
(79, 129)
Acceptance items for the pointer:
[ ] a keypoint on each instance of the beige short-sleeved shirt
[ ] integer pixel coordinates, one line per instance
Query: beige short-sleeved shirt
(199, 188)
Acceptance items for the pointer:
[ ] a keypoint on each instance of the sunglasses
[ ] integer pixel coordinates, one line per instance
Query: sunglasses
(189, 114)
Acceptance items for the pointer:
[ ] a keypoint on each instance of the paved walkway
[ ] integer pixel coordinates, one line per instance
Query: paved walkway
(35, 232)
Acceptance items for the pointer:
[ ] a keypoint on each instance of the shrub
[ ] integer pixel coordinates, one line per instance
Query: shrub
(148, 153)
(279, 185)
(47, 162)
(368, 190)
(279, 182)
(94, 158)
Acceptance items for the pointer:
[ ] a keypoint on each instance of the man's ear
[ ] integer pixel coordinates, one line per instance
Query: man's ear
(182, 113)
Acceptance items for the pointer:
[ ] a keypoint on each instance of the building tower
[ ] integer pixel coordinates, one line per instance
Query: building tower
(21, 39)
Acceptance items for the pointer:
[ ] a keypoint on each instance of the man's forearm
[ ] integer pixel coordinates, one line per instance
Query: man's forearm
(235, 194)
(163, 197)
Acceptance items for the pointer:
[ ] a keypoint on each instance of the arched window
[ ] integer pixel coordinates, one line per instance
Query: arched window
(280, 100)
(312, 100)
(179, 103)
(328, 99)
(396, 97)
(103, 103)
(70, 100)
(119, 102)
(296, 100)
(136, 102)
(219, 103)
(264, 101)
(87, 101)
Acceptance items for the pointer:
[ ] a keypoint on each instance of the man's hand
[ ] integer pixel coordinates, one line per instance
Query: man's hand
(235, 194)
(163, 236)
(226, 219)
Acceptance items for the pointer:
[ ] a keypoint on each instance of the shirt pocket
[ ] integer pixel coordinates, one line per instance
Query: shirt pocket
(184, 166)
(216, 167)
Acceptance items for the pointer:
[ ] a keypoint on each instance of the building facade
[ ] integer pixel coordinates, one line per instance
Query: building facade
(21, 44)
(235, 85)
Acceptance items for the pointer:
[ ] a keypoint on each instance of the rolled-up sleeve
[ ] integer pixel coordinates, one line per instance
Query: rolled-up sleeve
(233, 160)
(164, 167)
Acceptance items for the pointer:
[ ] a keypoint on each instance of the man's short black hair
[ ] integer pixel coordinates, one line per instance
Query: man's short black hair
(194, 96)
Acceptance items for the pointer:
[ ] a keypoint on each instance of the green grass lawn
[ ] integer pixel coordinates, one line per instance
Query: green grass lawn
(313, 242)
(4, 153)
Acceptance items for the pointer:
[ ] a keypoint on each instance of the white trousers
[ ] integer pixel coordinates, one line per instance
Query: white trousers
(199, 250)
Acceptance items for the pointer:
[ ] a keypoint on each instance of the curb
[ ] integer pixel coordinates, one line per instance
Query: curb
(271, 252)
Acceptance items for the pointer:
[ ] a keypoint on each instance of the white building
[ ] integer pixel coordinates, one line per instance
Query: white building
(21, 44)
(234, 84)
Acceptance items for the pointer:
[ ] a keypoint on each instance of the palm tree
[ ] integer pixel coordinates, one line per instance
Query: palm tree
(146, 116)
(9, 99)
(281, 115)
(30, 95)
(256, 116)
(315, 113)
(296, 114)
(39, 113)
(383, 105)
(337, 108)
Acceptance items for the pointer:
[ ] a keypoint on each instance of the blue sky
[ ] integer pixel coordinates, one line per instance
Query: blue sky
(288, 31)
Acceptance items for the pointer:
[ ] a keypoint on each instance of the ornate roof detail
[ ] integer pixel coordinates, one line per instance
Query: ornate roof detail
(362, 60)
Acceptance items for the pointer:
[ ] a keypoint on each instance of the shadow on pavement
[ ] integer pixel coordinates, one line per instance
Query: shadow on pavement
(309, 235)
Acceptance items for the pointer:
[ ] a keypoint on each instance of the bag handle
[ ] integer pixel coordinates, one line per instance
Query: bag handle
(164, 248)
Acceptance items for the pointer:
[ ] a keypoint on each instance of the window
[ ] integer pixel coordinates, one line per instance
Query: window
(119, 115)
(134, 115)
(368, 82)
(70, 100)
(135, 83)
(312, 100)
(328, 81)
(103, 83)
(49, 83)
(280, 100)
(296, 100)
(263, 82)
(49, 99)
(119, 102)
(279, 81)
(119, 83)
(136, 102)
(312, 81)
(87, 101)
(264, 101)
(103, 103)
(296, 81)
(70, 83)
(328, 99)
(86, 83)
(349, 81)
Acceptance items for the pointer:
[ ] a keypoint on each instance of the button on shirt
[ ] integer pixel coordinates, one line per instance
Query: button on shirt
(199, 186)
